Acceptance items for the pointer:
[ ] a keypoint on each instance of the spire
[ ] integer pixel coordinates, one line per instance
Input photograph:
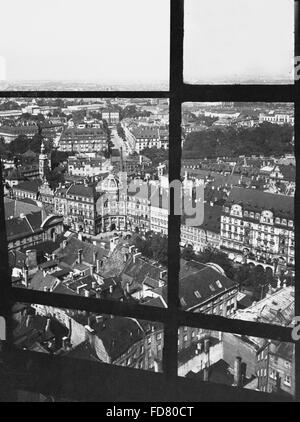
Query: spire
(42, 147)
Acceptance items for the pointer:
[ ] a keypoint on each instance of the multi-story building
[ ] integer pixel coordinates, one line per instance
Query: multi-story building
(31, 229)
(60, 202)
(111, 116)
(259, 227)
(83, 140)
(87, 166)
(276, 118)
(205, 235)
(46, 197)
(81, 209)
(27, 189)
(150, 137)
(276, 368)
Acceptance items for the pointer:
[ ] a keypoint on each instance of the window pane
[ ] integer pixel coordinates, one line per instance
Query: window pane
(101, 45)
(86, 196)
(234, 360)
(84, 335)
(239, 41)
(239, 261)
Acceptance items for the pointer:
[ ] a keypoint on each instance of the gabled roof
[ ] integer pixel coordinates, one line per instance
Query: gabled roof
(281, 204)
(69, 254)
(118, 334)
(82, 190)
(29, 186)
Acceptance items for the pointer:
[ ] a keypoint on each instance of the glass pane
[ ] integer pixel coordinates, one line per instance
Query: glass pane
(84, 335)
(239, 41)
(86, 196)
(239, 261)
(234, 360)
(101, 45)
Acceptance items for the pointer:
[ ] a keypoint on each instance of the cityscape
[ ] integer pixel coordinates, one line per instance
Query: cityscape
(86, 199)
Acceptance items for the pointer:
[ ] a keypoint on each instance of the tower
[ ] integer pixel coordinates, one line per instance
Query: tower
(43, 162)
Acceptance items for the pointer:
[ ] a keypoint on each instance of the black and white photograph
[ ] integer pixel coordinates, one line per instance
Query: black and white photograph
(148, 204)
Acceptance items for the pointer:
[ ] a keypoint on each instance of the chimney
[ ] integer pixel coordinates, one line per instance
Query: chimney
(86, 293)
(206, 345)
(28, 320)
(25, 276)
(135, 256)
(98, 266)
(65, 343)
(206, 372)
(127, 287)
(238, 371)
(99, 318)
(94, 257)
(157, 365)
(79, 256)
(47, 329)
(98, 293)
(53, 256)
(131, 248)
(111, 289)
(79, 288)
(31, 258)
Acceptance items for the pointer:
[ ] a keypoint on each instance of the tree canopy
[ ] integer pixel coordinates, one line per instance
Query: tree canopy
(229, 142)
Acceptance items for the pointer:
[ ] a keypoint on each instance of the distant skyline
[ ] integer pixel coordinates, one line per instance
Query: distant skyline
(109, 41)
(239, 41)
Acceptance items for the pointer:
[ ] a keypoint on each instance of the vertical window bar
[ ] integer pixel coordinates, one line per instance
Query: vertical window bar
(176, 84)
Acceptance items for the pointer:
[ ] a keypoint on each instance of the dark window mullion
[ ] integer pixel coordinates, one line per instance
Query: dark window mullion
(170, 355)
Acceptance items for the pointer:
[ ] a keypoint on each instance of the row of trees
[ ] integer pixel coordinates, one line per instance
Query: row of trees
(153, 246)
(263, 139)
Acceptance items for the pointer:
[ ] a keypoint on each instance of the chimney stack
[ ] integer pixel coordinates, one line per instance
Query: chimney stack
(28, 320)
(135, 256)
(111, 289)
(65, 343)
(238, 371)
(98, 266)
(47, 328)
(25, 275)
(206, 372)
(79, 256)
(157, 365)
(206, 345)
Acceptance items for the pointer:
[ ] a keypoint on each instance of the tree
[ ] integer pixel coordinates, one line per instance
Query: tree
(215, 256)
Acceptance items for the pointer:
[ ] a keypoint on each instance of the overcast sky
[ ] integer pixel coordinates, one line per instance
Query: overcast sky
(226, 40)
(107, 40)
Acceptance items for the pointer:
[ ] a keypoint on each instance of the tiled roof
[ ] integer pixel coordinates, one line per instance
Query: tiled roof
(135, 272)
(29, 186)
(17, 227)
(212, 218)
(278, 308)
(281, 204)
(69, 254)
(81, 190)
(118, 334)
(13, 208)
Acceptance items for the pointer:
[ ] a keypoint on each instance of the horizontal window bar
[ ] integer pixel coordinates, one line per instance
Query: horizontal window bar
(276, 93)
(85, 94)
(167, 316)
(38, 372)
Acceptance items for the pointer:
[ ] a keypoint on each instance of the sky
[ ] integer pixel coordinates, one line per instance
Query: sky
(105, 40)
(228, 40)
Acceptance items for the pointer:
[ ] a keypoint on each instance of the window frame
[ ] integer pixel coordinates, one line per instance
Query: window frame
(25, 366)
